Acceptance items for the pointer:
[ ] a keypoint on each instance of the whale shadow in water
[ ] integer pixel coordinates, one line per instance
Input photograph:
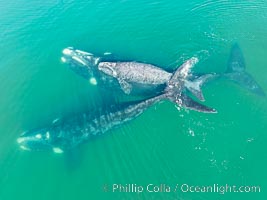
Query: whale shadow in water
(236, 72)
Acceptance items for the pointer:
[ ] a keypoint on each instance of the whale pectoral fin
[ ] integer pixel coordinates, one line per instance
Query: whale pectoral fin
(125, 86)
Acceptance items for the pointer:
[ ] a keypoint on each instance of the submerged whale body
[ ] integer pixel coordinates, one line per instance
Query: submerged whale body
(66, 134)
(236, 72)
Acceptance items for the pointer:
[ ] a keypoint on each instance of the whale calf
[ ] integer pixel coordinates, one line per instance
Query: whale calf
(65, 134)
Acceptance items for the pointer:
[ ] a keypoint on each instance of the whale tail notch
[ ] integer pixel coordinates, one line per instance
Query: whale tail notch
(236, 72)
(179, 81)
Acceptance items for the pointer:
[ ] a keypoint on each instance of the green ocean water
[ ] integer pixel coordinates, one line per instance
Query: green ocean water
(163, 145)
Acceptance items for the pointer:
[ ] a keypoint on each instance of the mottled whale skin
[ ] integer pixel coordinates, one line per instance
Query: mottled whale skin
(135, 78)
(134, 72)
(65, 134)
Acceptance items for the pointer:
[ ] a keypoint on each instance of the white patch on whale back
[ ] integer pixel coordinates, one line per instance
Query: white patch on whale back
(24, 148)
(93, 81)
(63, 59)
(55, 120)
(67, 51)
(78, 60)
(47, 135)
(38, 136)
(83, 52)
(20, 140)
(57, 150)
(96, 61)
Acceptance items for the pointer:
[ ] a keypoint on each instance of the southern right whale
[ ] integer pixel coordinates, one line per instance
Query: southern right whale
(65, 134)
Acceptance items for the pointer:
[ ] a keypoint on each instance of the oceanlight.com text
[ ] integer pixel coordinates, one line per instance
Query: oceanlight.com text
(180, 188)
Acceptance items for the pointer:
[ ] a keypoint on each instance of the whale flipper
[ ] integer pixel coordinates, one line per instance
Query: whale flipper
(125, 86)
(236, 72)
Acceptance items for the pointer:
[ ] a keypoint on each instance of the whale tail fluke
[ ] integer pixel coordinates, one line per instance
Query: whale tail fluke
(236, 72)
(179, 81)
(192, 83)
(194, 86)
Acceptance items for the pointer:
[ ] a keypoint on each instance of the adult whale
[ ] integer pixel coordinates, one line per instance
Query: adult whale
(68, 133)
(131, 77)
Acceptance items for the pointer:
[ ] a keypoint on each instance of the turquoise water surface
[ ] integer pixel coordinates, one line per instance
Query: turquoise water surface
(164, 146)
